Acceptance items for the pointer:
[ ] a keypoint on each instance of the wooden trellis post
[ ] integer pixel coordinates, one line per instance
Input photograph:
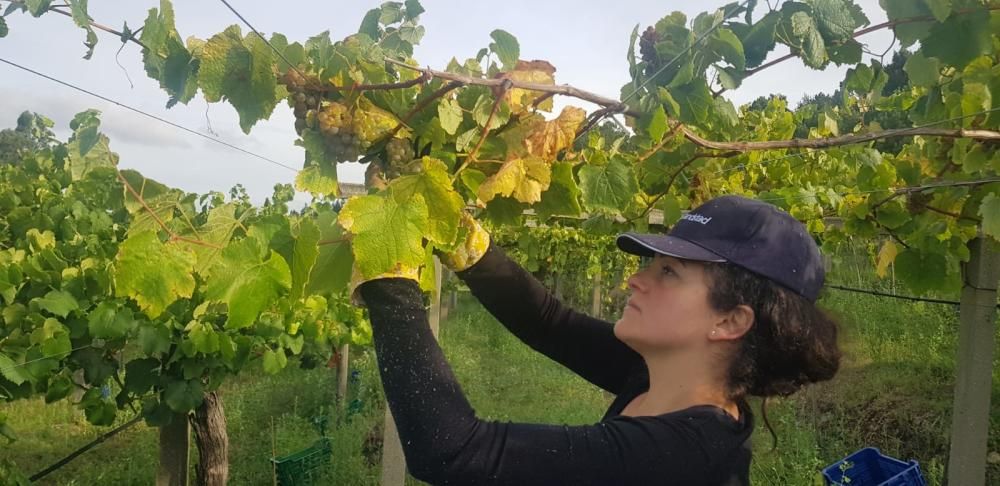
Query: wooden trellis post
(970, 422)
(595, 305)
(342, 374)
(393, 460)
(175, 455)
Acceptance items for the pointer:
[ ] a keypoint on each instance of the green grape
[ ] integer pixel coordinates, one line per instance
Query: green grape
(399, 151)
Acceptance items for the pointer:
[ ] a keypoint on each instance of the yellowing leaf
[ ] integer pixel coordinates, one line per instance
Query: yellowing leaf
(537, 72)
(524, 179)
(886, 256)
(546, 139)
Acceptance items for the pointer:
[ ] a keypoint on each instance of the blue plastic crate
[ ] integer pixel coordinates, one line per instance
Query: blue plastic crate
(869, 467)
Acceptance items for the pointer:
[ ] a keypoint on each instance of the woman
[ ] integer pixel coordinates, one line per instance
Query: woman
(724, 309)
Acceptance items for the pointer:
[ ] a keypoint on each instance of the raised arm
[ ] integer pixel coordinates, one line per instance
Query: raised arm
(585, 345)
(445, 443)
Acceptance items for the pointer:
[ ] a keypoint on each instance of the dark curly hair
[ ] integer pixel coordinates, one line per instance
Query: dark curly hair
(792, 342)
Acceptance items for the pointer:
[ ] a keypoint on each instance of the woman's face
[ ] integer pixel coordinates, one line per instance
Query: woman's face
(668, 307)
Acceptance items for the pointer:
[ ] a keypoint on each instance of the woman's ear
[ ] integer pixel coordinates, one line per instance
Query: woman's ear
(734, 324)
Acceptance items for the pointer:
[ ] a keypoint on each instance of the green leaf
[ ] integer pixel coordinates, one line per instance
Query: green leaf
(834, 19)
(808, 41)
(165, 58)
(989, 209)
(484, 106)
(183, 396)
(153, 274)
(450, 114)
(274, 361)
(413, 9)
(657, 124)
(12, 371)
(4, 30)
(78, 10)
(387, 233)
(760, 39)
(908, 32)
(444, 205)
(940, 8)
(725, 42)
(154, 339)
(81, 162)
(960, 39)
(332, 270)
(697, 101)
(976, 98)
(247, 282)
(610, 186)
(921, 272)
(59, 387)
(53, 337)
(141, 375)
(524, 179)
(58, 302)
(923, 71)
(240, 70)
(304, 256)
(204, 338)
(562, 198)
(506, 48)
(37, 7)
(319, 179)
(107, 321)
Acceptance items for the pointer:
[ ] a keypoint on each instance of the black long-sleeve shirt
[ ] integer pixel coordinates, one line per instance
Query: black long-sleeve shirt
(445, 443)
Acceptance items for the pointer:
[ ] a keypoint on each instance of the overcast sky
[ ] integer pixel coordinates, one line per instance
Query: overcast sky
(586, 40)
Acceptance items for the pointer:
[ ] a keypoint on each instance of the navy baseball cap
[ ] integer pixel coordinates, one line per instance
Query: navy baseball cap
(748, 233)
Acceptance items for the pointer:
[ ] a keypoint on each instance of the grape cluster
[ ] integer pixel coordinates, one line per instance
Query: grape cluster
(399, 151)
(336, 124)
(647, 48)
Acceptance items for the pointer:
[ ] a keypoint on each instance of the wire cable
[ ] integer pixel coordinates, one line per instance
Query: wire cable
(148, 115)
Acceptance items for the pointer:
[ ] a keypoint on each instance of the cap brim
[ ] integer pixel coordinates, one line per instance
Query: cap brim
(650, 245)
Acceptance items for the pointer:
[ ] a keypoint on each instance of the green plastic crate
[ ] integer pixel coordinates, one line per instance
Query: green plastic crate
(302, 468)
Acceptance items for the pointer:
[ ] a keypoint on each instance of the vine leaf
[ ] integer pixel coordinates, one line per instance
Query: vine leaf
(563, 195)
(989, 209)
(444, 205)
(886, 256)
(152, 273)
(387, 232)
(165, 58)
(538, 72)
(506, 48)
(240, 70)
(78, 10)
(246, 281)
(332, 270)
(304, 255)
(921, 271)
(524, 179)
(546, 139)
(923, 71)
(58, 302)
(450, 114)
(960, 39)
(107, 321)
(609, 186)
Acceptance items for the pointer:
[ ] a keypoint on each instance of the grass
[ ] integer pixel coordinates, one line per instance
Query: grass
(894, 392)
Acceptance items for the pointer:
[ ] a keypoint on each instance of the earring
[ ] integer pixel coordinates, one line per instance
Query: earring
(713, 332)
